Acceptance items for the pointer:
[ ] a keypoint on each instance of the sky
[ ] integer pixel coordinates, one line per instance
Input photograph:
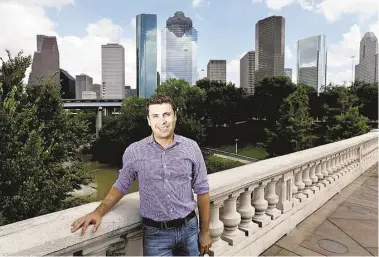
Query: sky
(226, 30)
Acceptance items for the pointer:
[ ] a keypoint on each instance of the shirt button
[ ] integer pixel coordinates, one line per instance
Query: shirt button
(168, 196)
(164, 166)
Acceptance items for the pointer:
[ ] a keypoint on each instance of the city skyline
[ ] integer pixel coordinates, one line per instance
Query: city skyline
(227, 37)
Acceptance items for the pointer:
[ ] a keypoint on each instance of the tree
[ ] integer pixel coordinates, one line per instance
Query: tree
(367, 94)
(346, 125)
(269, 96)
(39, 163)
(223, 103)
(293, 130)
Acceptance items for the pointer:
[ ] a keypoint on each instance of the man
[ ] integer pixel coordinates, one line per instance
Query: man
(168, 167)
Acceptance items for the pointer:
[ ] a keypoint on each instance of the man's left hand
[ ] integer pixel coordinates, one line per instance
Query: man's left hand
(205, 241)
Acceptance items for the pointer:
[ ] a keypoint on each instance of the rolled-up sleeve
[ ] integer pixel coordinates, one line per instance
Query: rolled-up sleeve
(200, 183)
(128, 172)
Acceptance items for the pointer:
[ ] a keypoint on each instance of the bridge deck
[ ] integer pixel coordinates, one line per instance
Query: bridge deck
(347, 225)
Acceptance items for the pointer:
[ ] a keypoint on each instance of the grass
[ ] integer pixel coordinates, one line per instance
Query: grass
(248, 150)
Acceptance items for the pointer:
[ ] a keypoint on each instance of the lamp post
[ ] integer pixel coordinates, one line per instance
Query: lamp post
(236, 144)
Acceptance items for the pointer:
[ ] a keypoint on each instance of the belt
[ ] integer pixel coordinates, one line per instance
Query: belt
(168, 224)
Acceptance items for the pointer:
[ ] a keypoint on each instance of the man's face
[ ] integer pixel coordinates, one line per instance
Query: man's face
(162, 120)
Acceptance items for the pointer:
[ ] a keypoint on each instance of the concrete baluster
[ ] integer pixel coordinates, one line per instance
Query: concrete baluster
(216, 228)
(300, 185)
(284, 189)
(319, 175)
(313, 177)
(272, 199)
(247, 212)
(260, 204)
(307, 181)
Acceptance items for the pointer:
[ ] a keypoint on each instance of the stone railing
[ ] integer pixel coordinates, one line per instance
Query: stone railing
(252, 206)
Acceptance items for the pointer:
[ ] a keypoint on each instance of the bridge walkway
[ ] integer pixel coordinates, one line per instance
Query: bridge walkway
(347, 225)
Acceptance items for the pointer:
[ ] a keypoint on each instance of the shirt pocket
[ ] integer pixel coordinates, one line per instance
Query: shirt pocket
(150, 170)
(180, 168)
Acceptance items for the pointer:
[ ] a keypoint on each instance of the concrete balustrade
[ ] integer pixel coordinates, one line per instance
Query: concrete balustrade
(252, 206)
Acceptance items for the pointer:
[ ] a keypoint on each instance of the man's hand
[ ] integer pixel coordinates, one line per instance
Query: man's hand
(90, 218)
(205, 241)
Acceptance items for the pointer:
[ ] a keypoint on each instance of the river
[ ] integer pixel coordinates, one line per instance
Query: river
(104, 175)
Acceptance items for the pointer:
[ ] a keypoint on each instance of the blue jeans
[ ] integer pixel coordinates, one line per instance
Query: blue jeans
(182, 241)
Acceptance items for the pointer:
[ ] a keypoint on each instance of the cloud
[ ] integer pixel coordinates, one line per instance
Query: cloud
(374, 28)
(77, 54)
(197, 3)
(340, 54)
(332, 10)
(288, 53)
(41, 3)
(340, 77)
(233, 70)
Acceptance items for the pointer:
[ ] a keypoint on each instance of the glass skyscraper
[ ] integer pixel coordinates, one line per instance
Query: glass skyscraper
(179, 49)
(312, 62)
(146, 43)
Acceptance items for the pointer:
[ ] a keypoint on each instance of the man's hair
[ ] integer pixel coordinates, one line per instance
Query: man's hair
(160, 99)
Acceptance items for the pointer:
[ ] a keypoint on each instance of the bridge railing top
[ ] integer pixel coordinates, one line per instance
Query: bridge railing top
(50, 234)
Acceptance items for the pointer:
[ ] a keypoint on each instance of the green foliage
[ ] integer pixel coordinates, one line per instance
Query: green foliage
(39, 165)
(223, 104)
(367, 99)
(293, 130)
(346, 125)
(215, 164)
(269, 96)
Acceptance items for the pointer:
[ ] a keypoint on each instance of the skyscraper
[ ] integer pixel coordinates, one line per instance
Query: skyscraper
(67, 85)
(113, 71)
(83, 83)
(247, 72)
(367, 69)
(179, 49)
(269, 47)
(45, 60)
(312, 62)
(146, 43)
(216, 70)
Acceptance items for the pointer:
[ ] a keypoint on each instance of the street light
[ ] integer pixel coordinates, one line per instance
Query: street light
(236, 144)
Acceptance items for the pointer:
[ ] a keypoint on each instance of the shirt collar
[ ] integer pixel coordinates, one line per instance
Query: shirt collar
(177, 139)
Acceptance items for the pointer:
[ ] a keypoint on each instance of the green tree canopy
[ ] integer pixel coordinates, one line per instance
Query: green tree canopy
(367, 94)
(39, 142)
(293, 130)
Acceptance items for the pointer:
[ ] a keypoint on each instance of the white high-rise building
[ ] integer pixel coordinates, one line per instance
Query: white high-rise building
(83, 83)
(216, 70)
(367, 69)
(179, 49)
(247, 72)
(113, 71)
(312, 62)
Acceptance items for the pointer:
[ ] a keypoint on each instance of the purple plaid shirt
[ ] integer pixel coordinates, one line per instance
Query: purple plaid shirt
(166, 176)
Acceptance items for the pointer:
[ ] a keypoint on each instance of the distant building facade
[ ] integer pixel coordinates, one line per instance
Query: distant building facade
(45, 60)
(216, 70)
(67, 85)
(247, 72)
(312, 62)
(146, 43)
(83, 83)
(367, 70)
(129, 92)
(113, 70)
(98, 89)
(179, 49)
(288, 72)
(269, 47)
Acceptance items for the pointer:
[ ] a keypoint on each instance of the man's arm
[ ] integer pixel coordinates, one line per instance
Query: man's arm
(113, 197)
(204, 206)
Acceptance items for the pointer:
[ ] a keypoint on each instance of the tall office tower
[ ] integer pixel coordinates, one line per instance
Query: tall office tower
(113, 70)
(179, 49)
(98, 89)
(45, 60)
(312, 62)
(247, 72)
(67, 85)
(288, 72)
(216, 70)
(367, 69)
(146, 43)
(83, 83)
(269, 47)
